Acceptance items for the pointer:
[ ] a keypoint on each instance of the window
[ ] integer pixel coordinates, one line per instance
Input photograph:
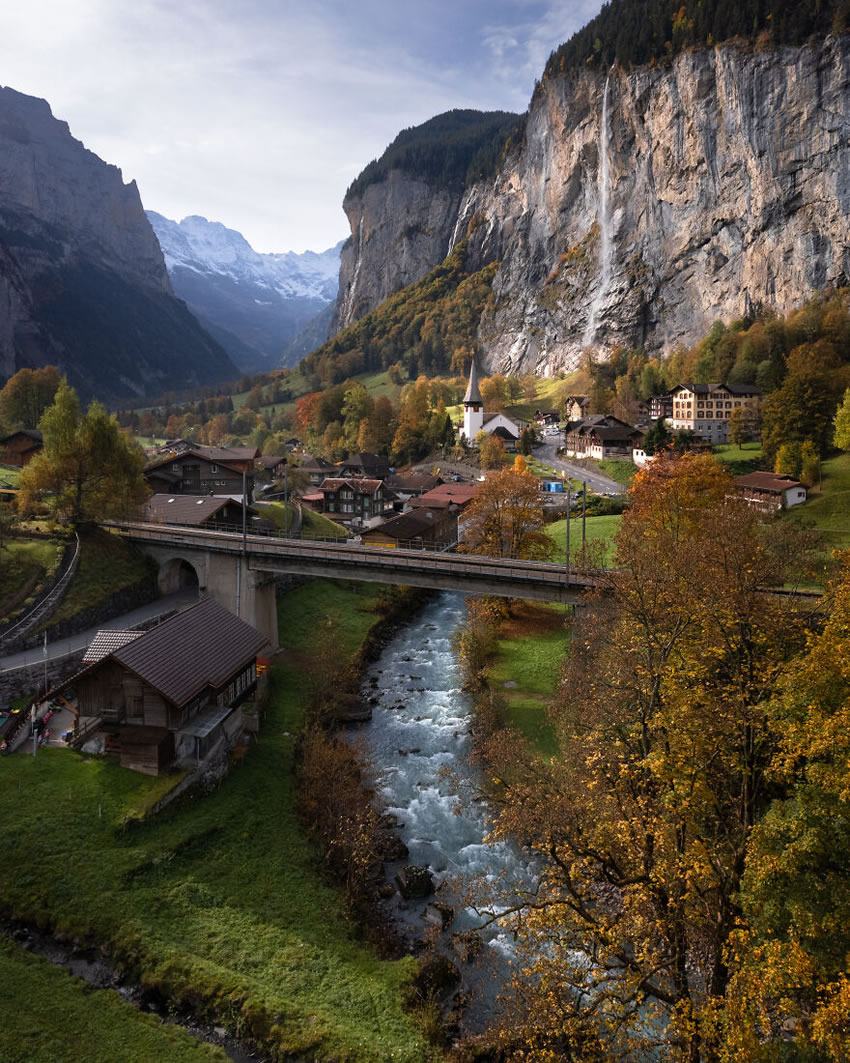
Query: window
(213, 468)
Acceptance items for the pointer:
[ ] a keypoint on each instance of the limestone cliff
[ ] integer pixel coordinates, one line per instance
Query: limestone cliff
(83, 282)
(726, 182)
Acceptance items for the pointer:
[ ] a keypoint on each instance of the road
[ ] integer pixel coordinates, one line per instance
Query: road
(74, 643)
(596, 481)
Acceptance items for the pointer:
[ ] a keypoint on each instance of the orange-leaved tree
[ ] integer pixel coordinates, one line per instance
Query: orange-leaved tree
(506, 519)
(641, 822)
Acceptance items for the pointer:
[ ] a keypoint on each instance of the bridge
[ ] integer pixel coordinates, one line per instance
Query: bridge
(238, 570)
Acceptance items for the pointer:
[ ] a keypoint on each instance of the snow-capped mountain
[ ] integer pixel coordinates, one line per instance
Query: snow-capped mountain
(254, 304)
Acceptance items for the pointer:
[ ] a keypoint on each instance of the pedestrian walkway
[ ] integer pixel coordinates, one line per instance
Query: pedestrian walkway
(74, 643)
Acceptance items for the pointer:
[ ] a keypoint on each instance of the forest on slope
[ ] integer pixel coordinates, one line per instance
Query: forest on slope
(633, 32)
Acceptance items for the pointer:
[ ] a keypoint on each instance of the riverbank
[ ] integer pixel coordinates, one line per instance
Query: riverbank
(219, 906)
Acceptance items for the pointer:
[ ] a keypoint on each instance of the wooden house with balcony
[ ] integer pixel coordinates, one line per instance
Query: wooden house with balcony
(169, 692)
(353, 500)
(202, 471)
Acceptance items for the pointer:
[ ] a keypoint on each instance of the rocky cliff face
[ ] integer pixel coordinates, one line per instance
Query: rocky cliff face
(718, 181)
(83, 283)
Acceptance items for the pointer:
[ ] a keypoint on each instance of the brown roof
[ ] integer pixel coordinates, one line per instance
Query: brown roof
(268, 461)
(767, 481)
(405, 526)
(460, 493)
(202, 646)
(184, 509)
(412, 481)
(363, 487)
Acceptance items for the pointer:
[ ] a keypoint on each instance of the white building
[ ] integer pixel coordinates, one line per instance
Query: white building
(476, 420)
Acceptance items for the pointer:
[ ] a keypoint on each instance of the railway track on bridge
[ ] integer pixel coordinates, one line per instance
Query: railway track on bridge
(465, 572)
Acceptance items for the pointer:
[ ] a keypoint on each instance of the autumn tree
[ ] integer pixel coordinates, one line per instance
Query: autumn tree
(641, 822)
(841, 424)
(26, 395)
(88, 468)
(491, 450)
(505, 519)
(791, 988)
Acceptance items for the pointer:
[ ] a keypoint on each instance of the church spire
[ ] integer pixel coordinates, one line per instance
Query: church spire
(473, 394)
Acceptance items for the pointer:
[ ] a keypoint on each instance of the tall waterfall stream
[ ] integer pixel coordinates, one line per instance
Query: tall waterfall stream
(604, 219)
(419, 743)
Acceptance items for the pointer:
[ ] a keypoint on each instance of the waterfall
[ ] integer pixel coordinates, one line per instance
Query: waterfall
(605, 244)
(348, 303)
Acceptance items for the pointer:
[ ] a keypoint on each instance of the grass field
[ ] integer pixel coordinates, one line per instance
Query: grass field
(21, 560)
(598, 530)
(51, 1017)
(741, 460)
(320, 526)
(828, 506)
(530, 652)
(218, 902)
(107, 564)
(10, 474)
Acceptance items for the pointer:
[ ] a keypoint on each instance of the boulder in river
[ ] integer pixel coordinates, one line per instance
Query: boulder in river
(414, 882)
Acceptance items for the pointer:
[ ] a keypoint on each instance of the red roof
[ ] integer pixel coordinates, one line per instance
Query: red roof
(773, 482)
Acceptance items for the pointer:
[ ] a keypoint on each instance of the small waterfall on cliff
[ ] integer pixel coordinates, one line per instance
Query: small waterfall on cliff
(348, 305)
(604, 219)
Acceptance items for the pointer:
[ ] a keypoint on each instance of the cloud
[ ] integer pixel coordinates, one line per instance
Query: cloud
(259, 114)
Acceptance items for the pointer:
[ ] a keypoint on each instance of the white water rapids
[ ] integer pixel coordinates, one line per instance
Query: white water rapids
(418, 737)
(604, 218)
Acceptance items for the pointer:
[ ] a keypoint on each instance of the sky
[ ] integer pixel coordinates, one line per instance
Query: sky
(259, 113)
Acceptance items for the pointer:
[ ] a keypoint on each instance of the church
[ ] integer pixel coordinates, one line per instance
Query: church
(476, 419)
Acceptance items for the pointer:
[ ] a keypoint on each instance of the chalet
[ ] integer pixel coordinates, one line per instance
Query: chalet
(416, 529)
(200, 471)
(317, 469)
(602, 436)
(459, 495)
(706, 408)
(169, 692)
(366, 465)
(352, 499)
(770, 490)
(476, 419)
(207, 511)
(21, 447)
(271, 467)
(407, 485)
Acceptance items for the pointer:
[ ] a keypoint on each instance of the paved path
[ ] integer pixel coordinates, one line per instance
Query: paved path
(74, 643)
(596, 481)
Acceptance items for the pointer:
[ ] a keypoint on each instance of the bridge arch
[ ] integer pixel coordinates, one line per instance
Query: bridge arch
(177, 574)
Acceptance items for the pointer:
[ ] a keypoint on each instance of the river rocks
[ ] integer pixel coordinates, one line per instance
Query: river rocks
(391, 848)
(414, 882)
(439, 914)
(467, 944)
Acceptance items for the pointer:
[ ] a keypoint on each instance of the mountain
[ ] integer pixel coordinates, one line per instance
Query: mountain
(83, 284)
(255, 304)
(634, 207)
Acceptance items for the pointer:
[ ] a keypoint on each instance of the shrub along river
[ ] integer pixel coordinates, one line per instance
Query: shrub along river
(420, 745)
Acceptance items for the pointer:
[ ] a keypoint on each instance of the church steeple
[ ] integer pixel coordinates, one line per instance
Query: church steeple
(473, 394)
(473, 407)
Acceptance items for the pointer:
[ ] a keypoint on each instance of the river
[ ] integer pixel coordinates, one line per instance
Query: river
(419, 742)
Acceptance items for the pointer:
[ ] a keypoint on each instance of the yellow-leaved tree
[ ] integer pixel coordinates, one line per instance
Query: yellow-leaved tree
(88, 469)
(641, 821)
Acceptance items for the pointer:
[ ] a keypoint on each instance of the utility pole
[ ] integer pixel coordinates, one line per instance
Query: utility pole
(286, 500)
(583, 516)
(569, 507)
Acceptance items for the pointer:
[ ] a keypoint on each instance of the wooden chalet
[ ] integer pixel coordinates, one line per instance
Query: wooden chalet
(317, 469)
(19, 448)
(202, 471)
(365, 465)
(770, 490)
(169, 692)
(207, 511)
(435, 526)
(352, 498)
(602, 436)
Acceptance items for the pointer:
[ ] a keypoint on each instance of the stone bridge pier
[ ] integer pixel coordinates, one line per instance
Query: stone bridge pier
(228, 578)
